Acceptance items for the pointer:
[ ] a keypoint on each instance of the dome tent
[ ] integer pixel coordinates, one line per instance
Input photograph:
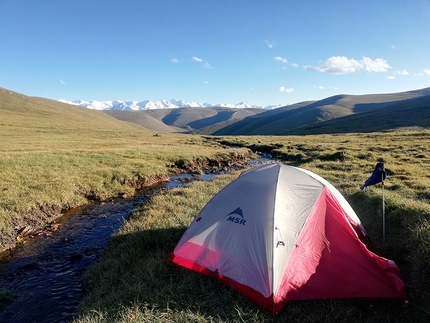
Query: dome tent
(279, 233)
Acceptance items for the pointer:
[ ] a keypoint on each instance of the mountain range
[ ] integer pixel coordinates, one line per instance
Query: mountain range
(336, 114)
(161, 104)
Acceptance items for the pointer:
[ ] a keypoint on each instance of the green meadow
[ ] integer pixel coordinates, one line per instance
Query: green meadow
(54, 157)
(134, 281)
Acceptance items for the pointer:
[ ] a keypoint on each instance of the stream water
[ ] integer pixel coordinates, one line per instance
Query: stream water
(45, 273)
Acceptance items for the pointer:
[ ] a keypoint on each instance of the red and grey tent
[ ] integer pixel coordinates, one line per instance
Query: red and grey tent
(279, 233)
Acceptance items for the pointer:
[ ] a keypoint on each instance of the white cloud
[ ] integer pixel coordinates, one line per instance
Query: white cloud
(344, 65)
(377, 65)
(320, 87)
(391, 77)
(280, 59)
(403, 72)
(175, 60)
(425, 71)
(337, 65)
(286, 90)
(200, 60)
(295, 65)
(62, 82)
(269, 44)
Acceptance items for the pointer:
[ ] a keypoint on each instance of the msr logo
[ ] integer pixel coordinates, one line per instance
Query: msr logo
(236, 217)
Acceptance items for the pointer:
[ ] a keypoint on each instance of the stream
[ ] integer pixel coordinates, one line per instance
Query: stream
(45, 273)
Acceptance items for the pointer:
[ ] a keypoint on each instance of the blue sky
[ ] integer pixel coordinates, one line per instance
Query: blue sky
(225, 51)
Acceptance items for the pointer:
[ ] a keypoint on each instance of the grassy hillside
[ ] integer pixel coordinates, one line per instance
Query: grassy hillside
(329, 115)
(30, 114)
(404, 114)
(199, 119)
(297, 118)
(55, 156)
(189, 120)
(142, 119)
(313, 113)
(271, 122)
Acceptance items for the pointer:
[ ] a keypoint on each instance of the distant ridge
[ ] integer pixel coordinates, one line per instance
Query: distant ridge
(410, 113)
(340, 113)
(308, 117)
(161, 104)
(337, 114)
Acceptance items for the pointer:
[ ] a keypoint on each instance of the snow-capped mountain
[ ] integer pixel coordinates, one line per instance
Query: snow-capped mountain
(162, 104)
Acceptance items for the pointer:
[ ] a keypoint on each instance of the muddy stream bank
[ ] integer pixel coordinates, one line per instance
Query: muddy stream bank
(44, 275)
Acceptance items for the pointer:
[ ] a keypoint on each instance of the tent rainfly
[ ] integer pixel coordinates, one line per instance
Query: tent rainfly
(279, 233)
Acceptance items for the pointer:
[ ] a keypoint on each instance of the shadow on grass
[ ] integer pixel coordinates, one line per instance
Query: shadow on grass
(407, 243)
(137, 271)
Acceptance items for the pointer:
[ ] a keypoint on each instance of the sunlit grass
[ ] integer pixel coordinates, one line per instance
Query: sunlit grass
(46, 169)
(54, 157)
(134, 280)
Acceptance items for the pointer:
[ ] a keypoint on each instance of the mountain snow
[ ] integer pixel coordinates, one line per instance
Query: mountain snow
(162, 104)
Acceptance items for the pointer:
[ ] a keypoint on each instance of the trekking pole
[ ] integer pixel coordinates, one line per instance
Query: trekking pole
(383, 209)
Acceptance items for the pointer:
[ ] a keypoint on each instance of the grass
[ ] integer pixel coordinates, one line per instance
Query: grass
(134, 280)
(54, 157)
(37, 185)
(6, 296)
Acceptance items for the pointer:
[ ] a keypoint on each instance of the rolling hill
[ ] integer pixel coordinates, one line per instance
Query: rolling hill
(336, 114)
(142, 119)
(21, 113)
(190, 119)
(409, 113)
(328, 115)
(282, 120)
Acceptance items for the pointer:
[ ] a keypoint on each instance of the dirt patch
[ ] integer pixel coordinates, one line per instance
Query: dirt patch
(200, 164)
(140, 182)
